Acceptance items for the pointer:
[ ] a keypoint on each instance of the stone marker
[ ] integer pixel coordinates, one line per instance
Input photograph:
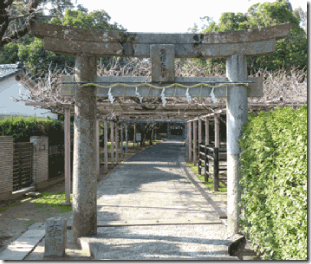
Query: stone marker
(55, 237)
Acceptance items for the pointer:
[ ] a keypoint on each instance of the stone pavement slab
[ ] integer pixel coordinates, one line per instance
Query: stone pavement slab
(21, 247)
(165, 242)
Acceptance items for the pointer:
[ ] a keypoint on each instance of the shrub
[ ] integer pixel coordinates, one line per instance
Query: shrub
(274, 183)
(21, 129)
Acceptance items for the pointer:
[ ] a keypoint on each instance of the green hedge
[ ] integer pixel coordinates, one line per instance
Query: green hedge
(21, 129)
(274, 183)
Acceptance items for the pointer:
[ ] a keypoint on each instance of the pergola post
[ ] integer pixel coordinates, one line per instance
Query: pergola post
(84, 205)
(185, 137)
(117, 143)
(168, 130)
(67, 156)
(121, 131)
(106, 144)
(134, 141)
(112, 143)
(189, 141)
(206, 131)
(216, 120)
(236, 67)
(200, 131)
(195, 135)
(126, 138)
(97, 148)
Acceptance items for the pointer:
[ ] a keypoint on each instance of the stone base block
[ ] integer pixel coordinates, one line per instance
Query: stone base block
(55, 237)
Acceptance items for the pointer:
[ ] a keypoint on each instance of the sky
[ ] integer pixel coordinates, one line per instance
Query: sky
(170, 16)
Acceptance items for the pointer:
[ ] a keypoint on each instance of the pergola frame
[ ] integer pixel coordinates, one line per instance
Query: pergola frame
(162, 49)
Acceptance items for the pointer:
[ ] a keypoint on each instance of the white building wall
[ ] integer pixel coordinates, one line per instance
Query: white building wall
(11, 88)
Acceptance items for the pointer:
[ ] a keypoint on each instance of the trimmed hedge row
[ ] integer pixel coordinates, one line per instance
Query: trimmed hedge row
(274, 183)
(21, 129)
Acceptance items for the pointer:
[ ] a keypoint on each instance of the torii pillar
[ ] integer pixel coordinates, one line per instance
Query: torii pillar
(84, 204)
(236, 71)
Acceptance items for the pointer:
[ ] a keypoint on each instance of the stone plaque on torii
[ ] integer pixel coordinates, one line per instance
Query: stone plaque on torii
(86, 45)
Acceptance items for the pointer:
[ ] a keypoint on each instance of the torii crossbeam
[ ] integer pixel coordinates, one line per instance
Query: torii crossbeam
(87, 44)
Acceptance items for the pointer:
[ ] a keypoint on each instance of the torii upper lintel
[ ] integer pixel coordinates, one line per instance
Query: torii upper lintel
(101, 43)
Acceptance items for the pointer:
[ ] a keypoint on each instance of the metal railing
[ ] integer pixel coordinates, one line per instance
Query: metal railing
(210, 153)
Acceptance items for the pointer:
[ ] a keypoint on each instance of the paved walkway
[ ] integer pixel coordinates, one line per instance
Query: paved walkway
(149, 209)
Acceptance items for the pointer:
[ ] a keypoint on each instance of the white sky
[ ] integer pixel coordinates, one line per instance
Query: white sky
(170, 15)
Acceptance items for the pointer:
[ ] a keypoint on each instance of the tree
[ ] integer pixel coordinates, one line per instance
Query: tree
(38, 61)
(291, 51)
(15, 16)
(12, 19)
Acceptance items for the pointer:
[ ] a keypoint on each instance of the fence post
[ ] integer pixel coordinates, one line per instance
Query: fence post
(216, 172)
(205, 164)
(199, 159)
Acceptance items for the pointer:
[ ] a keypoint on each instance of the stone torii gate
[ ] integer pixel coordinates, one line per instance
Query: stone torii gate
(86, 45)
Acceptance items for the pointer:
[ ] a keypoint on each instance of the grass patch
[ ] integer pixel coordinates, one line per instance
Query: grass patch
(210, 184)
(50, 201)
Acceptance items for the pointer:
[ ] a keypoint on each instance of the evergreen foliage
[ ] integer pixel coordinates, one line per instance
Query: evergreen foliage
(291, 51)
(274, 183)
(30, 50)
(21, 129)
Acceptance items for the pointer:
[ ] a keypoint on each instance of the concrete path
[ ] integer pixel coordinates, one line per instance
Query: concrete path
(148, 209)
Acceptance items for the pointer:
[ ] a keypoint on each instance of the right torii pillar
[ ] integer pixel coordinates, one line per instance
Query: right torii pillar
(236, 67)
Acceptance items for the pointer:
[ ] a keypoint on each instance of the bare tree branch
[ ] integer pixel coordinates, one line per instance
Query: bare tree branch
(5, 20)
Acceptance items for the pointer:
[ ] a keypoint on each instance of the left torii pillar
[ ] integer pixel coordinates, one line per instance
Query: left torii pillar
(84, 204)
